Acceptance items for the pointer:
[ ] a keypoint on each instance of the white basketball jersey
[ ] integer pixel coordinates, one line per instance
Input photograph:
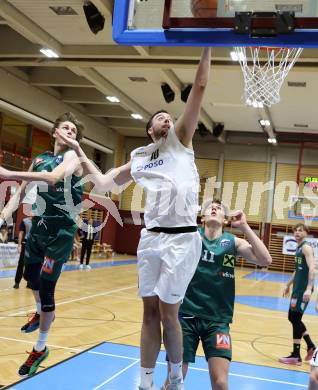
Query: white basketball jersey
(167, 172)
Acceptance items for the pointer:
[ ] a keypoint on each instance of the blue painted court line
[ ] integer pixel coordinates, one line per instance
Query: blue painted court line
(270, 277)
(73, 267)
(10, 273)
(116, 367)
(101, 264)
(271, 303)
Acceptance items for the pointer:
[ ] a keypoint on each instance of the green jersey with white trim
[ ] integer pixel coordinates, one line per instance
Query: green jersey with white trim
(211, 292)
(60, 199)
(301, 270)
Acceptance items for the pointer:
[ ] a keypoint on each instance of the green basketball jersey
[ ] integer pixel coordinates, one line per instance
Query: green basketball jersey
(211, 292)
(64, 193)
(301, 270)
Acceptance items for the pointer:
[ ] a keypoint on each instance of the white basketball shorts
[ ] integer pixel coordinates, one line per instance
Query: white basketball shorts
(166, 264)
(314, 360)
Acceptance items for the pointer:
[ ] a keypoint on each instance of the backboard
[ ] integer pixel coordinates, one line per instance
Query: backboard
(280, 23)
(303, 207)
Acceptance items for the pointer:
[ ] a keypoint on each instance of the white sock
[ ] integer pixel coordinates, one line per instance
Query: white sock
(40, 344)
(175, 371)
(146, 377)
(38, 307)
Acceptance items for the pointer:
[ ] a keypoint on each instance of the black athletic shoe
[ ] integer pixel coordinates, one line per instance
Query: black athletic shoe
(32, 363)
(291, 359)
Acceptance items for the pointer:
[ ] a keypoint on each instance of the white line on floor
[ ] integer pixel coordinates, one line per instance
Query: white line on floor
(116, 375)
(32, 342)
(80, 299)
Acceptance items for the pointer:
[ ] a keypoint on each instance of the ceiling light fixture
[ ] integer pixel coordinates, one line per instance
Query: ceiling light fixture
(256, 104)
(113, 99)
(136, 116)
(237, 56)
(265, 122)
(49, 53)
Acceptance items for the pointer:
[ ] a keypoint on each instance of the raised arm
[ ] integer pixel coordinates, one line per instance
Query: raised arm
(188, 121)
(70, 165)
(104, 182)
(14, 201)
(254, 249)
(310, 260)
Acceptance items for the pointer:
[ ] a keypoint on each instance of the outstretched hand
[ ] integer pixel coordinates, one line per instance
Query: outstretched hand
(307, 295)
(238, 219)
(71, 143)
(286, 291)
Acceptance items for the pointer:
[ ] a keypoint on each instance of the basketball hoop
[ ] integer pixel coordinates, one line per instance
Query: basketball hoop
(309, 214)
(263, 78)
(308, 218)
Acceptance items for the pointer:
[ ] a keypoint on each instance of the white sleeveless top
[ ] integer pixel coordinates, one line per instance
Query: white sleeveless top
(167, 172)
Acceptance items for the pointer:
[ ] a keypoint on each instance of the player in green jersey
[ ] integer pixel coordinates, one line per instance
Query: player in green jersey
(50, 241)
(303, 285)
(207, 309)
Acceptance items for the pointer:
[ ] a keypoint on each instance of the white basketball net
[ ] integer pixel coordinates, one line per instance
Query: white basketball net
(308, 215)
(308, 218)
(264, 71)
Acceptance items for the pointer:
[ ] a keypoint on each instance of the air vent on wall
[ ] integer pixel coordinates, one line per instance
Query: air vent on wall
(138, 79)
(300, 125)
(301, 84)
(63, 11)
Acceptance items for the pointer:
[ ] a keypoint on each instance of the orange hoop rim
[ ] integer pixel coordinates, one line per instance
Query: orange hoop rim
(308, 218)
(273, 48)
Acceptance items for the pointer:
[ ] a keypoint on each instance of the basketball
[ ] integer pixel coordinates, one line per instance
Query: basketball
(204, 8)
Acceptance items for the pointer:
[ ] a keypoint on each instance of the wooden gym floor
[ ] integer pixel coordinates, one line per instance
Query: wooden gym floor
(101, 305)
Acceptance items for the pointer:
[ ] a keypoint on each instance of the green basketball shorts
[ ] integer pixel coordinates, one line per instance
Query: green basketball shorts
(215, 338)
(50, 243)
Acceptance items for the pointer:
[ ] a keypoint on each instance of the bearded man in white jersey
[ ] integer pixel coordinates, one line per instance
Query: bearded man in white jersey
(170, 246)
